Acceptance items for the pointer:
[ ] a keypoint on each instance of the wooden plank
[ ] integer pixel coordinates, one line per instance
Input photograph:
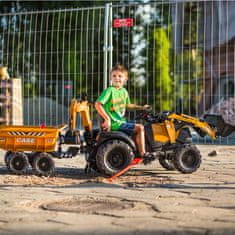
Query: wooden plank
(16, 102)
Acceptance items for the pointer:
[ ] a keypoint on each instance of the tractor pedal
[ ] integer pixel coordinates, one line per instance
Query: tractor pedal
(148, 158)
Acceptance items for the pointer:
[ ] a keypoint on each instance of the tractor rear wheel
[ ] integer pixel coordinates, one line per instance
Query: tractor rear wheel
(187, 159)
(43, 164)
(113, 156)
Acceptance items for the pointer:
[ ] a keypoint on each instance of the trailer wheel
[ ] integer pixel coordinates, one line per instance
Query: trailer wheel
(43, 164)
(187, 159)
(166, 163)
(17, 163)
(113, 156)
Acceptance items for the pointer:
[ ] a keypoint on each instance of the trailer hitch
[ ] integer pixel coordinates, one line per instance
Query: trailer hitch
(71, 152)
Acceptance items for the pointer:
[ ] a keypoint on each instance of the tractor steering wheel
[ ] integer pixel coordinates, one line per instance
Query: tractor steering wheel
(144, 115)
(148, 116)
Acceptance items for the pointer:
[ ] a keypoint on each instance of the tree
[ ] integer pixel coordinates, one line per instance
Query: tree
(162, 65)
(45, 46)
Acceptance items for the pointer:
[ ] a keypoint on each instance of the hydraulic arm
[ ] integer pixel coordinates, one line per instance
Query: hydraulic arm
(81, 107)
(204, 126)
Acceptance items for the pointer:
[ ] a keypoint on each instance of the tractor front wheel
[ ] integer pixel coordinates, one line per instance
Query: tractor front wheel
(188, 159)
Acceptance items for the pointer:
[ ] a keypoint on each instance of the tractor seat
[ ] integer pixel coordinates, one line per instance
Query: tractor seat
(106, 133)
(113, 135)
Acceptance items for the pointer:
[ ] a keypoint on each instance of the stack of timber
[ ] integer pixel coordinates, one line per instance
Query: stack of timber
(11, 112)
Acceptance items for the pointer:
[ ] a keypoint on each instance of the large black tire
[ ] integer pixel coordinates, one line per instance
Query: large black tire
(17, 163)
(43, 164)
(187, 159)
(113, 156)
(166, 163)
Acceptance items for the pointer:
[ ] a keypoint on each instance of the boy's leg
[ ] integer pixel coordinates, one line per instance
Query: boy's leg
(137, 133)
(139, 138)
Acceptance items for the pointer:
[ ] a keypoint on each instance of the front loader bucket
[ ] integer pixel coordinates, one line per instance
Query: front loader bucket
(223, 129)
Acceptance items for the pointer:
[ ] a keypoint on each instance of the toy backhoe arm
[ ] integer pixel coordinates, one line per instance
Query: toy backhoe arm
(81, 107)
(204, 126)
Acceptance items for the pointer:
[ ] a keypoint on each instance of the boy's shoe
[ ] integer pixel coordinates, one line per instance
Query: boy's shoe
(148, 158)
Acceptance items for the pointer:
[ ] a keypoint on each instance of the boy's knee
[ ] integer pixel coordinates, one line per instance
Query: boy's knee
(139, 127)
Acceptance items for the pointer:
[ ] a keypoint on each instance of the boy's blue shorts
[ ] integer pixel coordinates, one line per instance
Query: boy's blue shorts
(128, 128)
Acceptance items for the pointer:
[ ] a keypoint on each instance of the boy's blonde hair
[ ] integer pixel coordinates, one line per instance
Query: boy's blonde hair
(120, 68)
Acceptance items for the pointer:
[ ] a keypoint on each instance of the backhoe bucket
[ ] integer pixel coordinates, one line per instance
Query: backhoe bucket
(223, 129)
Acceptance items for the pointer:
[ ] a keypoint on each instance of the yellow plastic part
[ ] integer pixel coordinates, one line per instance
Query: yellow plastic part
(171, 131)
(160, 133)
(165, 132)
(28, 138)
(81, 107)
(204, 126)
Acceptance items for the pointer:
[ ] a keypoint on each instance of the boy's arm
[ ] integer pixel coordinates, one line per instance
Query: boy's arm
(138, 107)
(107, 122)
(135, 106)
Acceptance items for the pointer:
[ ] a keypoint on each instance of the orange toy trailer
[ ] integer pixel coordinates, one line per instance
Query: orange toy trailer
(32, 145)
(28, 138)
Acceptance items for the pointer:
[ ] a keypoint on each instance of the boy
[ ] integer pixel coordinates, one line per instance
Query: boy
(112, 103)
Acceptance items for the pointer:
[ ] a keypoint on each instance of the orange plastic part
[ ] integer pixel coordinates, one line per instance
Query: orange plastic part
(28, 138)
(134, 162)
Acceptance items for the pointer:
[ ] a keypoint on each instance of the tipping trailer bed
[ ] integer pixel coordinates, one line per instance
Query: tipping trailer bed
(28, 138)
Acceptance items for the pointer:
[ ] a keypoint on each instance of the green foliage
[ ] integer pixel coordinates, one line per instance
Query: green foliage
(162, 65)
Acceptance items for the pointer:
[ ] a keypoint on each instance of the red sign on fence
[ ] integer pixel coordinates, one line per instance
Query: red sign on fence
(128, 22)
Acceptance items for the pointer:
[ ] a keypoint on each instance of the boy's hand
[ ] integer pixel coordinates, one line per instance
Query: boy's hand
(106, 125)
(147, 107)
(139, 107)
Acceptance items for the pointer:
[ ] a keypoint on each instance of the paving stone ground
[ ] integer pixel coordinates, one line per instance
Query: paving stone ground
(147, 200)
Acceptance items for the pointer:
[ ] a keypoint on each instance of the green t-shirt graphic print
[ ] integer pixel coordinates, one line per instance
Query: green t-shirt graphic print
(114, 102)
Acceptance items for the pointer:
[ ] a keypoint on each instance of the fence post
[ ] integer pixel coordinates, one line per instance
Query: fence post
(110, 38)
(106, 28)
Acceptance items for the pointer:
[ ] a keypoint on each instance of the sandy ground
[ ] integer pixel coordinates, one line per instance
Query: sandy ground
(147, 200)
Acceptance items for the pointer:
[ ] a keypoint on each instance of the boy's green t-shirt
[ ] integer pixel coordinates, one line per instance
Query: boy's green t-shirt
(114, 102)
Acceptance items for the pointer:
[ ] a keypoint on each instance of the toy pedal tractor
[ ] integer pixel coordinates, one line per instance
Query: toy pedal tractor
(167, 136)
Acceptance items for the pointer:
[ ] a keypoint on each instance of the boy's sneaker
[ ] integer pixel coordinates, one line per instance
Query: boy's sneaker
(148, 158)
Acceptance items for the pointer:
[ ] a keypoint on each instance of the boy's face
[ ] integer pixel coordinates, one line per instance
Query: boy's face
(118, 78)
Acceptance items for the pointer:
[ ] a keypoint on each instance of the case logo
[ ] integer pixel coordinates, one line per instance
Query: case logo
(25, 140)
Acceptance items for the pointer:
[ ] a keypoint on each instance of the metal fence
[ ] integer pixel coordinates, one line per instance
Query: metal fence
(58, 55)
(180, 55)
